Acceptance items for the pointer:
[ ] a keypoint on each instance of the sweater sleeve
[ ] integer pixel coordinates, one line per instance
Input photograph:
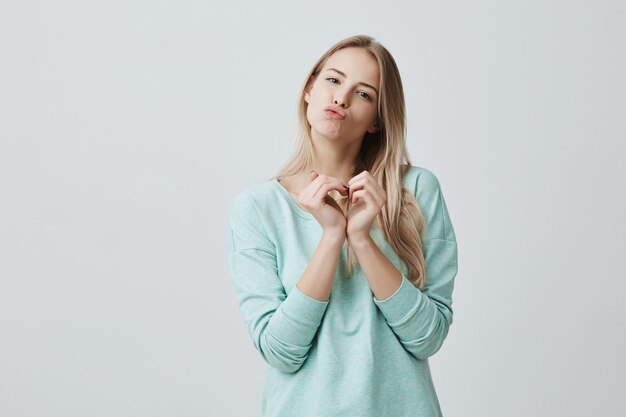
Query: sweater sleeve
(282, 326)
(421, 318)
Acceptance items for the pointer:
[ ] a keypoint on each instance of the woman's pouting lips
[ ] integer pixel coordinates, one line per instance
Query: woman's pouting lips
(334, 115)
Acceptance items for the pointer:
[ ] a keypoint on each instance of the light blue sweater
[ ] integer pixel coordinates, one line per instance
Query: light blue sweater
(352, 355)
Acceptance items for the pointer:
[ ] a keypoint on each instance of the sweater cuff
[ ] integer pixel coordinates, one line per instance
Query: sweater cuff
(297, 319)
(303, 308)
(398, 306)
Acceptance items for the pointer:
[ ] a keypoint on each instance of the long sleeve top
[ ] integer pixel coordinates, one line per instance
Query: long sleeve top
(352, 355)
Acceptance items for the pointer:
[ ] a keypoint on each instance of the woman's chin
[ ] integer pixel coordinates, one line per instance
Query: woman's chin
(329, 132)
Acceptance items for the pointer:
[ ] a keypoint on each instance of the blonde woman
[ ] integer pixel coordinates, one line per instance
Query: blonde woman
(344, 261)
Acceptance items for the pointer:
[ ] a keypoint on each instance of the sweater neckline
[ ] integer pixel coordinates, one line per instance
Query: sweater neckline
(297, 209)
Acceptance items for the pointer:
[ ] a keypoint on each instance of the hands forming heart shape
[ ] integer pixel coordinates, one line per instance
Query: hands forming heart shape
(366, 195)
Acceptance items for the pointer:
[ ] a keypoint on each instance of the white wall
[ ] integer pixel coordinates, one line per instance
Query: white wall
(127, 127)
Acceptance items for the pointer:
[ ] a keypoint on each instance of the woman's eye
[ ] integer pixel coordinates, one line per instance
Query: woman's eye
(362, 93)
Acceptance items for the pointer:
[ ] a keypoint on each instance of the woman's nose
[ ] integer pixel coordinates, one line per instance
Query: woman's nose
(340, 100)
(342, 96)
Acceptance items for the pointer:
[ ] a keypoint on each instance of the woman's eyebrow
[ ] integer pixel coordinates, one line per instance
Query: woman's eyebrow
(344, 75)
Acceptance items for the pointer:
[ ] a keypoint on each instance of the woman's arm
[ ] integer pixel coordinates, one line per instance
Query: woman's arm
(383, 277)
(319, 275)
(420, 318)
(282, 327)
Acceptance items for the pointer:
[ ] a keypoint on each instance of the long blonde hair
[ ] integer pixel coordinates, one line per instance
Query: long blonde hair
(383, 154)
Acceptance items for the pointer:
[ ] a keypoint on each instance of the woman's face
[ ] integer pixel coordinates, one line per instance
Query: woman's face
(348, 82)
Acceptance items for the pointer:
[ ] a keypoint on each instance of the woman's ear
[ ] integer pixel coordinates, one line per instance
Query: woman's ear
(307, 89)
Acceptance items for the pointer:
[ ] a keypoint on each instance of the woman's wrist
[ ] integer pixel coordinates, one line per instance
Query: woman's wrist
(336, 236)
(358, 240)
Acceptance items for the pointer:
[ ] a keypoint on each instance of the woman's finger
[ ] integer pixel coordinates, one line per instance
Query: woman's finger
(315, 186)
(378, 196)
(323, 191)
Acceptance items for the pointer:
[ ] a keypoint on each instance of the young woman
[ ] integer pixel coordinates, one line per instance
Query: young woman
(344, 262)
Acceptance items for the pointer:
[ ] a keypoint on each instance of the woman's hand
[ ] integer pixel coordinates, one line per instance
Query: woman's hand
(368, 198)
(315, 199)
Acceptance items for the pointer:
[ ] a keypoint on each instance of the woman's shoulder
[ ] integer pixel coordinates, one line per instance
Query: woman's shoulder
(428, 193)
(259, 190)
(419, 178)
(255, 197)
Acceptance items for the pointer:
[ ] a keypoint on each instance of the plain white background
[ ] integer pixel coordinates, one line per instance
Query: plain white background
(127, 127)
